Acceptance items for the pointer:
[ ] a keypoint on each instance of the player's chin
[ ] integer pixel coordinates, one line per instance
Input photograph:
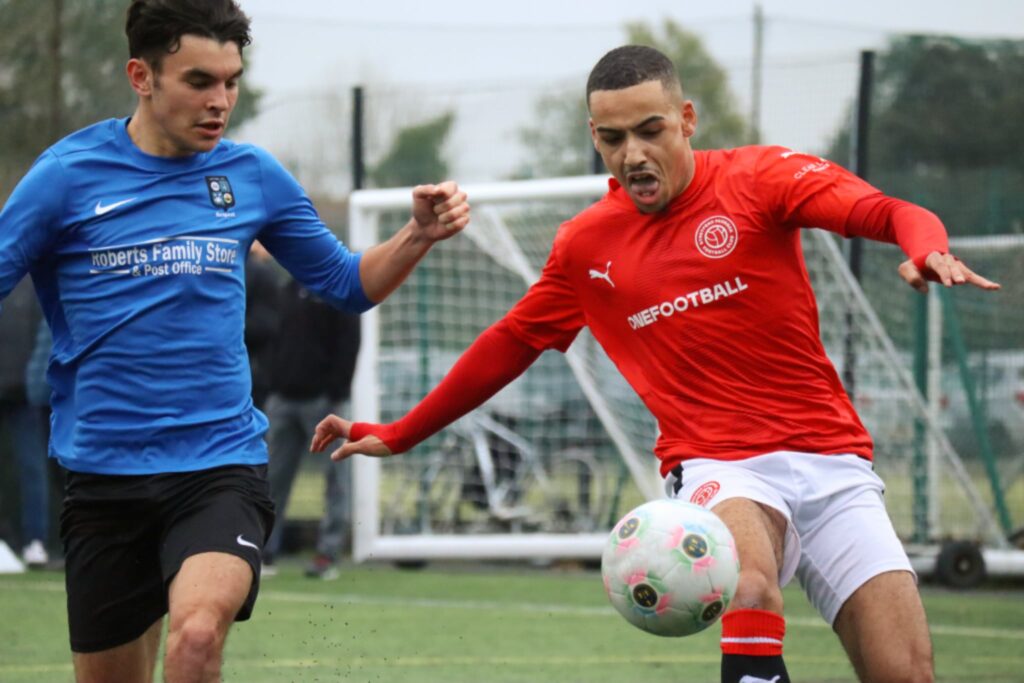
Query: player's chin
(205, 139)
(648, 202)
(206, 144)
(646, 206)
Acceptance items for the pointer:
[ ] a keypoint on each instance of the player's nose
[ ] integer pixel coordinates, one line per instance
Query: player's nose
(635, 153)
(218, 100)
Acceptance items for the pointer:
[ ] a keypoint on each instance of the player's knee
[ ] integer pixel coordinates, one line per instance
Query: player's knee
(197, 637)
(915, 667)
(756, 590)
(906, 663)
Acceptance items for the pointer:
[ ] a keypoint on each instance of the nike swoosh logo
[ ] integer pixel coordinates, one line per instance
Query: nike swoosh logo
(100, 209)
(247, 544)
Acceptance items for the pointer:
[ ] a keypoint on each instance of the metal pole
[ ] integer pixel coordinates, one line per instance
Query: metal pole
(861, 141)
(860, 167)
(358, 161)
(756, 75)
(933, 457)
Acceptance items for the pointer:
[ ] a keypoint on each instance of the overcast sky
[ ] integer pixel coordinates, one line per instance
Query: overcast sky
(307, 55)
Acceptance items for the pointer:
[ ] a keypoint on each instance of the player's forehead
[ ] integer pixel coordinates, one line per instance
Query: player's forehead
(199, 54)
(630, 107)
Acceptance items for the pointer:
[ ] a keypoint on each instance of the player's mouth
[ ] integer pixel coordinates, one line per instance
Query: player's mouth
(211, 129)
(644, 187)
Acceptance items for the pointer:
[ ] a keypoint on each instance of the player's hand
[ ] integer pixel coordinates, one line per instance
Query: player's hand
(332, 428)
(943, 268)
(439, 211)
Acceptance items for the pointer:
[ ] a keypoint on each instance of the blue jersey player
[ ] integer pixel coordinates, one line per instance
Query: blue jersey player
(135, 232)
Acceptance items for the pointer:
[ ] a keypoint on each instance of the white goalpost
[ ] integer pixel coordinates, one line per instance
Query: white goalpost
(545, 468)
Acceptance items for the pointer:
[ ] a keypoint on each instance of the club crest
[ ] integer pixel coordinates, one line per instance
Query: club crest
(221, 194)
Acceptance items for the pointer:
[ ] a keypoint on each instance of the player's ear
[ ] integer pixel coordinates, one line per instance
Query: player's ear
(593, 132)
(689, 116)
(140, 76)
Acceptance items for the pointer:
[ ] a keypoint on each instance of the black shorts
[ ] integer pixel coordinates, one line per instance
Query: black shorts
(125, 538)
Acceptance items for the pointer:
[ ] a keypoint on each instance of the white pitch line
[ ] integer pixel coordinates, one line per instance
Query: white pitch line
(529, 607)
(541, 608)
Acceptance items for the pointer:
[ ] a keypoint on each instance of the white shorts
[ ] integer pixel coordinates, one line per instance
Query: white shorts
(838, 533)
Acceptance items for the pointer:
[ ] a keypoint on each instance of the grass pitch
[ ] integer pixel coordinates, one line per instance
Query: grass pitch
(453, 623)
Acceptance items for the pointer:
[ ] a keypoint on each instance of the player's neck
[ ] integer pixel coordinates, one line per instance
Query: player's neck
(148, 136)
(687, 179)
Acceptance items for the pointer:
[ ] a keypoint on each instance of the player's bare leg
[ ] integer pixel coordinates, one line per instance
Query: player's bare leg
(134, 661)
(753, 626)
(204, 598)
(759, 532)
(885, 632)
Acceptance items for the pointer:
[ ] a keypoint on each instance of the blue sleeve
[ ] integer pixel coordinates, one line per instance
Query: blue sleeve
(299, 240)
(30, 220)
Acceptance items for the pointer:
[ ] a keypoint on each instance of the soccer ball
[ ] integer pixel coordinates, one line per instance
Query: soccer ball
(670, 567)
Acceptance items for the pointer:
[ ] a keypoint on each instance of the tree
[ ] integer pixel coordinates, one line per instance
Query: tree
(704, 82)
(77, 50)
(944, 130)
(560, 143)
(415, 155)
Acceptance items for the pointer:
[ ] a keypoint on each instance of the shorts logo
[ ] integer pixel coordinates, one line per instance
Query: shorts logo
(717, 237)
(704, 493)
(221, 194)
(248, 544)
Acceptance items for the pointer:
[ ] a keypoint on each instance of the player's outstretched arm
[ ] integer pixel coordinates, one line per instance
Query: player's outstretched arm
(943, 268)
(921, 235)
(438, 212)
(333, 427)
(496, 358)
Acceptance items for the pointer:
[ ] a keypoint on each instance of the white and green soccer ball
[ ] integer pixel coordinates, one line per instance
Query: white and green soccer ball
(670, 567)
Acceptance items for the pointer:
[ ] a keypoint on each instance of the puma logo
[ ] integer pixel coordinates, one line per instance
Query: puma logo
(598, 275)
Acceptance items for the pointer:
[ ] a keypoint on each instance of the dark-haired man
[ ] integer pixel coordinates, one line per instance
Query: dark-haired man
(135, 232)
(707, 310)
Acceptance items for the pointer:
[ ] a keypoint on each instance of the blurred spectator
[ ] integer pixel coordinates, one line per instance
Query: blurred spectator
(22, 422)
(262, 278)
(37, 390)
(310, 372)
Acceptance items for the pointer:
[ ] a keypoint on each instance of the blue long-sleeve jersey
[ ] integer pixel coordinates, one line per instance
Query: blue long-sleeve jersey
(139, 262)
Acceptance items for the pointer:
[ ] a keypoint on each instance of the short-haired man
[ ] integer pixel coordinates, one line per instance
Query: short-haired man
(135, 232)
(753, 420)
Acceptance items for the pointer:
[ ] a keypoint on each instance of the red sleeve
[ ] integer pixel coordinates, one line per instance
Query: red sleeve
(549, 315)
(496, 358)
(806, 191)
(917, 230)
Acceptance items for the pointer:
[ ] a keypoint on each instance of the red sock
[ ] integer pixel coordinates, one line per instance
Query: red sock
(752, 647)
(754, 632)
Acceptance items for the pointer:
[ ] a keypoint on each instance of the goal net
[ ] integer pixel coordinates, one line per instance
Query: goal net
(546, 467)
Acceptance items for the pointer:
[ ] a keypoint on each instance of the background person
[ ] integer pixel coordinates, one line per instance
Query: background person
(309, 373)
(22, 423)
(262, 317)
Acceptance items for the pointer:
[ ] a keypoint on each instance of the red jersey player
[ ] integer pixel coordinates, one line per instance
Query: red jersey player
(689, 272)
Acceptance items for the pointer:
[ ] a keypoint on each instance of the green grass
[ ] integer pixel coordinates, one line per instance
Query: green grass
(484, 623)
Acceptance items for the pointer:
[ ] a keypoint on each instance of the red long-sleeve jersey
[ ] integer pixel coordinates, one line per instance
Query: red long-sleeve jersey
(706, 308)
